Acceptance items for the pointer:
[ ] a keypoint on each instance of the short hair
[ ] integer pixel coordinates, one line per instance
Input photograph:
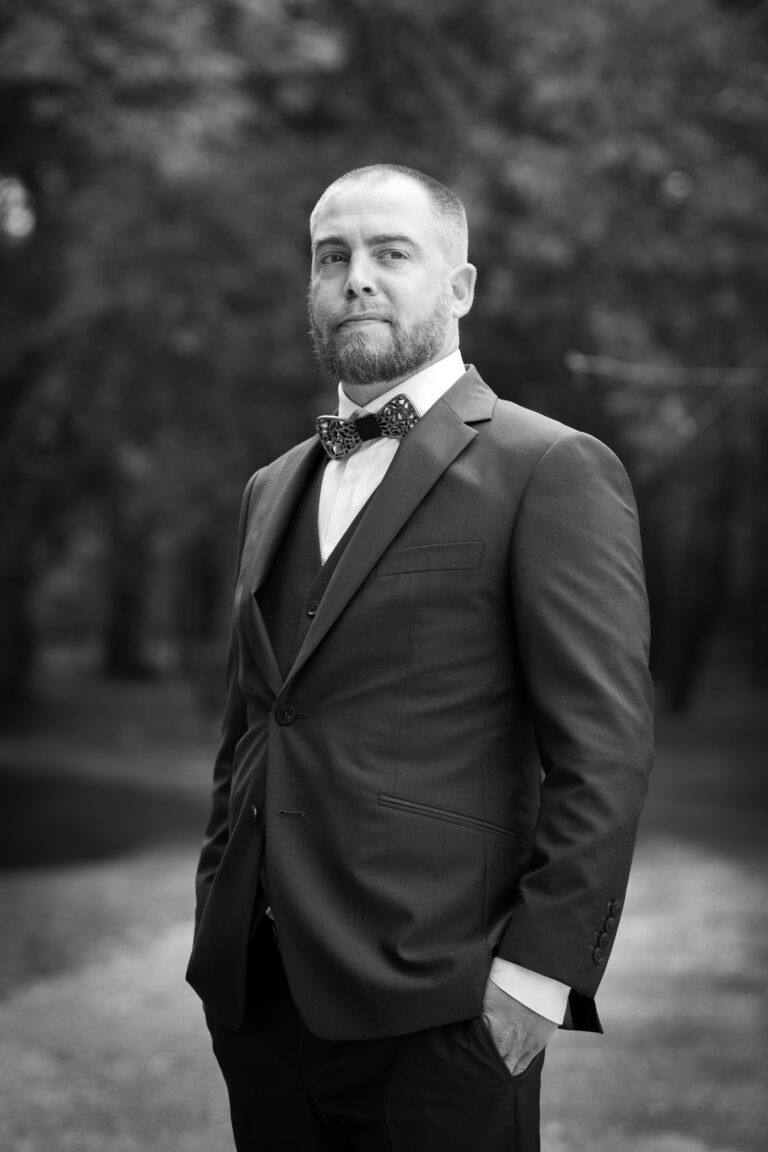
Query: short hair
(444, 201)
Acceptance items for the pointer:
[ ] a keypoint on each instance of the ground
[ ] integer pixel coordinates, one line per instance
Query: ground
(102, 1045)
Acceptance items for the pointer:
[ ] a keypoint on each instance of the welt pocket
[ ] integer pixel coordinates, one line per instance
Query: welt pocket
(445, 815)
(428, 557)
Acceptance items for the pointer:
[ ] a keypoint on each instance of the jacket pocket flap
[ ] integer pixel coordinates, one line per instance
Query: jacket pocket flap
(426, 557)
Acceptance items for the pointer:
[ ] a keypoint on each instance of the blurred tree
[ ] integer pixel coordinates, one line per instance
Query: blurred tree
(631, 222)
(613, 158)
(33, 177)
(111, 116)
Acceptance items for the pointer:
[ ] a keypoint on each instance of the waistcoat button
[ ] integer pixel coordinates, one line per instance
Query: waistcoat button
(312, 608)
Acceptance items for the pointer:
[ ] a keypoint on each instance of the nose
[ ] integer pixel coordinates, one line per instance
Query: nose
(360, 280)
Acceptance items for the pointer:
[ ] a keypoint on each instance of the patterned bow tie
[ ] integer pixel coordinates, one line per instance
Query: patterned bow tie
(340, 437)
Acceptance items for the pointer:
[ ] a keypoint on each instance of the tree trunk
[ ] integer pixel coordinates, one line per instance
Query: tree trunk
(202, 580)
(702, 585)
(17, 635)
(128, 583)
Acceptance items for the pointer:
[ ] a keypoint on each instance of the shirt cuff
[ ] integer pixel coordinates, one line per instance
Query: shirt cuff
(540, 993)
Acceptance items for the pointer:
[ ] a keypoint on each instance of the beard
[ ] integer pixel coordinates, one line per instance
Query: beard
(354, 358)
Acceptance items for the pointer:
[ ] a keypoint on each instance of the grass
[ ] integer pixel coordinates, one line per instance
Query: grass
(54, 820)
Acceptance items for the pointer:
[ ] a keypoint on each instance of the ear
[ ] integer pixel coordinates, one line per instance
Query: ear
(463, 288)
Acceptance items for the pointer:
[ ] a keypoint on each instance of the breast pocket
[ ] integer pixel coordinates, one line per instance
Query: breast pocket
(459, 554)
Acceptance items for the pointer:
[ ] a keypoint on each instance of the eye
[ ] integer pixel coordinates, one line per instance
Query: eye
(332, 258)
(393, 254)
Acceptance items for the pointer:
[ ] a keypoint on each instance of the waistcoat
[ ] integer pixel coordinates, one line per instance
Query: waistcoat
(297, 579)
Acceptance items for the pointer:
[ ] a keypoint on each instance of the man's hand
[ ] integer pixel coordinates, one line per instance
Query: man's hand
(518, 1032)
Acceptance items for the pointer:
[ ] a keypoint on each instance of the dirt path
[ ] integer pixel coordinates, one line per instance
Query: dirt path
(102, 1046)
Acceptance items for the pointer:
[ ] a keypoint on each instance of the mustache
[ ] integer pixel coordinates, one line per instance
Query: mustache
(350, 311)
(334, 319)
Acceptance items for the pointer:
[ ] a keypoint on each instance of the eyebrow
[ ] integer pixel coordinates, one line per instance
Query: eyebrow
(371, 241)
(385, 238)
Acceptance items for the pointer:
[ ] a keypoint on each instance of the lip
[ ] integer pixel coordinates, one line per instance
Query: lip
(367, 319)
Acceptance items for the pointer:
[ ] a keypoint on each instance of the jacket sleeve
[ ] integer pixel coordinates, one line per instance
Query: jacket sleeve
(233, 728)
(581, 617)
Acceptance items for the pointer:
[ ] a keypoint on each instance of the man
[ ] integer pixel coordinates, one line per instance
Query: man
(438, 728)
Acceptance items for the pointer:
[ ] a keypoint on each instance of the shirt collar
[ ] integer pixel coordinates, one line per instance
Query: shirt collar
(423, 389)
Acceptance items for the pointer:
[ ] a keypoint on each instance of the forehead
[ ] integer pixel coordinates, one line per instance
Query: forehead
(395, 205)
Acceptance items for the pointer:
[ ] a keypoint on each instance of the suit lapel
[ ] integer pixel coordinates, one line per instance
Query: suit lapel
(283, 486)
(420, 461)
(273, 509)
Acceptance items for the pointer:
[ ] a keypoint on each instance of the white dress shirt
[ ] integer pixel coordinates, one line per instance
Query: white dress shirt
(346, 486)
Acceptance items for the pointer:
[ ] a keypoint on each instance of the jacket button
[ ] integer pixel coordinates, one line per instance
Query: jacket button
(598, 956)
(286, 714)
(610, 924)
(604, 939)
(254, 813)
(616, 907)
(312, 608)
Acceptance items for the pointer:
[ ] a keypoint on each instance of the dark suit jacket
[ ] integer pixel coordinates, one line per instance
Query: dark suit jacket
(485, 629)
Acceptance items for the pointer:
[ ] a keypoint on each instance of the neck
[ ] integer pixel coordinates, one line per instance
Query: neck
(362, 394)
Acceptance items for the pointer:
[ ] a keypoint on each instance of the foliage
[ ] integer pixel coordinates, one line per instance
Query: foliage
(612, 156)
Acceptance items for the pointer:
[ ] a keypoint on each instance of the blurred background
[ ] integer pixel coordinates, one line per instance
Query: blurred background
(158, 162)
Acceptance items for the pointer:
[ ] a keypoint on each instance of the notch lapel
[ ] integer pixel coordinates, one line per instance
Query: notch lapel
(425, 453)
(277, 499)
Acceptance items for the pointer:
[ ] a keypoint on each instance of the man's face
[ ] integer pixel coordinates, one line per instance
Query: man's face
(381, 303)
